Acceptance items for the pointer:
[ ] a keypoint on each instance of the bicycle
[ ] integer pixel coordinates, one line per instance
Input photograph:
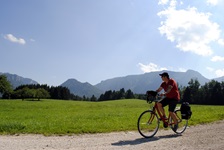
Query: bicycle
(149, 120)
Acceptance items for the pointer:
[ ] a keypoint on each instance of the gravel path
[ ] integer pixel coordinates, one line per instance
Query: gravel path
(200, 137)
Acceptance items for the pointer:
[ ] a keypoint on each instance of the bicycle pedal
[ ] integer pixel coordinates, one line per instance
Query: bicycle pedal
(165, 125)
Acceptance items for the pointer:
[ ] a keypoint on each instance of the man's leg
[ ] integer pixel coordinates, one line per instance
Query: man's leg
(161, 106)
(172, 106)
(174, 117)
(161, 109)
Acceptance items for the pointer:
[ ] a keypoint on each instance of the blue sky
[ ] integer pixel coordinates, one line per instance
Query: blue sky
(51, 41)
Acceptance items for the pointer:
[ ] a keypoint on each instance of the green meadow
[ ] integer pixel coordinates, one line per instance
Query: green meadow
(58, 117)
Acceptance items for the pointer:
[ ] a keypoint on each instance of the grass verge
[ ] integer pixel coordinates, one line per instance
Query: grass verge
(59, 117)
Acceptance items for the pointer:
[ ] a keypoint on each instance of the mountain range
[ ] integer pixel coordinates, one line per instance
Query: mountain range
(136, 83)
(16, 80)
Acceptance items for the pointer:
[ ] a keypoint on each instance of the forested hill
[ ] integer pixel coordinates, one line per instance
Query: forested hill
(81, 89)
(219, 79)
(136, 83)
(16, 80)
(143, 82)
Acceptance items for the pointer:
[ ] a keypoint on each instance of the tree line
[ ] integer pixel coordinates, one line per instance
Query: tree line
(34, 91)
(37, 92)
(212, 93)
(114, 95)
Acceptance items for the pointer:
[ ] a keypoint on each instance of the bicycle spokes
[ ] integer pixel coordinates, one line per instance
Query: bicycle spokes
(148, 124)
(152, 116)
(182, 123)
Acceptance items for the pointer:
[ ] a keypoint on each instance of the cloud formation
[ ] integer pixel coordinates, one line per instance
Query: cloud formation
(150, 67)
(221, 42)
(191, 30)
(212, 2)
(219, 72)
(13, 39)
(217, 58)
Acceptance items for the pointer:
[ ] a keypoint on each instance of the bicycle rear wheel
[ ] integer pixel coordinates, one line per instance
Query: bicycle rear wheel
(182, 123)
(148, 124)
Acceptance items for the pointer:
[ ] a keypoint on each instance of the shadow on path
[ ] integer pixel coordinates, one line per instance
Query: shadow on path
(143, 140)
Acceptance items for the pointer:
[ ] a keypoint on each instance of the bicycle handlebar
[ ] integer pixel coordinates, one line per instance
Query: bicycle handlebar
(153, 96)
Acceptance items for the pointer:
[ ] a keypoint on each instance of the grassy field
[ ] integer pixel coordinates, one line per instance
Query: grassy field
(76, 117)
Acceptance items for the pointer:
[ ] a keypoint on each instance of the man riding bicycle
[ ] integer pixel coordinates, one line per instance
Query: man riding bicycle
(171, 99)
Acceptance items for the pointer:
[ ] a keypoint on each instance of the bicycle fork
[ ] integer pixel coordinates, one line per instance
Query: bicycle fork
(152, 116)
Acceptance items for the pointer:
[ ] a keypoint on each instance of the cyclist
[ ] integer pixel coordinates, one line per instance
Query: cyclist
(172, 97)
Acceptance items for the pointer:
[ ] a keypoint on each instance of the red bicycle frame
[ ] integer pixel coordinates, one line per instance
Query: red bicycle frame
(165, 120)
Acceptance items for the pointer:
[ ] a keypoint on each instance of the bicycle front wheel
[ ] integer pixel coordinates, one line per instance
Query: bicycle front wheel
(148, 124)
(182, 123)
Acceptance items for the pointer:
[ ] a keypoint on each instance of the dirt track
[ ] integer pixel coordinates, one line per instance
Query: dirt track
(201, 137)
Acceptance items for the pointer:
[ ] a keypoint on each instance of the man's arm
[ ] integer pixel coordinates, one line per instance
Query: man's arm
(159, 89)
(168, 90)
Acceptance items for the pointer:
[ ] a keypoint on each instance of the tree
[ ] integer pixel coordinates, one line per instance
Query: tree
(108, 95)
(191, 91)
(5, 86)
(129, 94)
(25, 93)
(93, 98)
(121, 94)
(187, 95)
(41, 93)
(215, 89)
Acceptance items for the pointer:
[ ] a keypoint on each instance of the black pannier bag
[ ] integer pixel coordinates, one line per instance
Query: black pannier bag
(151, 95)
(185, 110)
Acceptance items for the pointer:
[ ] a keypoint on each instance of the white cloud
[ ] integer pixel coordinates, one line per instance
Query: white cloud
(217, 58)
(182, 69)
(151, 67)
(221, 42)
(219, 72)
(163, 2)
(210, 69)
(13, 39)
(212, 2)
(192, 31)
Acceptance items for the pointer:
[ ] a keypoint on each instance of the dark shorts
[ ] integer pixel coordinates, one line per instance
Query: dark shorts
(171, 102)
